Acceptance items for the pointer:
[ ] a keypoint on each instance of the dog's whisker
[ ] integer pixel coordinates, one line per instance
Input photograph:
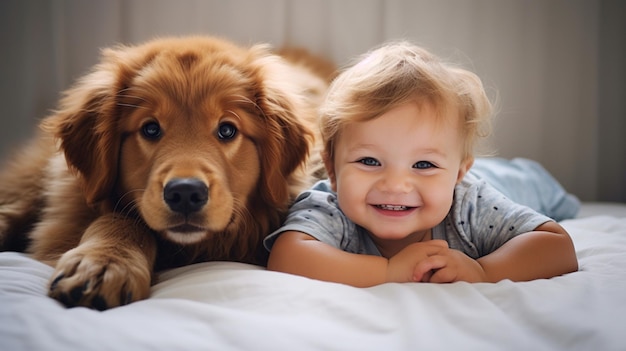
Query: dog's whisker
(138, 222)
(132, 203)
(122, 93)
(241, 211)
(233, 113)
(246, 100)
(132, 105)
(125, 211)
(129, 208)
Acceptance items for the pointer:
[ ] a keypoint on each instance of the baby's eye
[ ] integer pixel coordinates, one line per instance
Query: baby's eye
(368, 161)
(423, 165)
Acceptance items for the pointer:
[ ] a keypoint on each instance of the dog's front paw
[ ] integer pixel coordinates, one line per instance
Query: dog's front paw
(100, 279)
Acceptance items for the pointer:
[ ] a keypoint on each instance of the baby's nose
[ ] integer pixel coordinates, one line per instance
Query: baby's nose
(396, 181)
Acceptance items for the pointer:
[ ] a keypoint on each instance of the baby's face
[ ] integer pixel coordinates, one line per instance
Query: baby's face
(395, 175)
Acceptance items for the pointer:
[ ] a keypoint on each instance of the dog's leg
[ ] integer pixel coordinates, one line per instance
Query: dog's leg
(21, 192)
(64, 214)
(111, 266)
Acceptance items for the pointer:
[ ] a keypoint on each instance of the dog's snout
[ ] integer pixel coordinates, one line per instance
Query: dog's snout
(185, 195)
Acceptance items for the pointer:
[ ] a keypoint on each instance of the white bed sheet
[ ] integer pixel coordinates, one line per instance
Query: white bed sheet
(232, 306)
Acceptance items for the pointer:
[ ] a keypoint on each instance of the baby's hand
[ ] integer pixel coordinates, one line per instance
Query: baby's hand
(402, 267)
(447, 266)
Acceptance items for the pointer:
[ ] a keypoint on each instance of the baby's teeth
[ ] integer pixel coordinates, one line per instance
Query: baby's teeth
(393, 208)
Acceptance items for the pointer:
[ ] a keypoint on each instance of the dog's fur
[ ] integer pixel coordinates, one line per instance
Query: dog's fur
(176, 151)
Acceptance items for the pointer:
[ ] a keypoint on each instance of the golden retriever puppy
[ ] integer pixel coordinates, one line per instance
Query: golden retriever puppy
(176, 151)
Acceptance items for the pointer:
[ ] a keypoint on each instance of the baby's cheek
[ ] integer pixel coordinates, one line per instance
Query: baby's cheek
(439, 203)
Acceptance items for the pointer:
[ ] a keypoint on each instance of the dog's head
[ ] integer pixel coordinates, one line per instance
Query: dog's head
(201, 138)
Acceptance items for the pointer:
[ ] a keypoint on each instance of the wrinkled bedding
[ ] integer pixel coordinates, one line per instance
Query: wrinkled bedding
(226, 306)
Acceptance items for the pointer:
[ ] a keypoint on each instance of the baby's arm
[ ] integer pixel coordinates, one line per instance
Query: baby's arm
(546, 252)
(298, 253)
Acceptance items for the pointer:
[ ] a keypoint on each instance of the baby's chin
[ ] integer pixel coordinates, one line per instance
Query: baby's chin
(406, 236)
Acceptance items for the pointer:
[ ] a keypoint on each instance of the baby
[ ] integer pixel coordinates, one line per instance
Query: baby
(399, 130)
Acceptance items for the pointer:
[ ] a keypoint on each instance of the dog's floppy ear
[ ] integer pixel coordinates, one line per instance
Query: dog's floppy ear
(85, 124)
(288, 138)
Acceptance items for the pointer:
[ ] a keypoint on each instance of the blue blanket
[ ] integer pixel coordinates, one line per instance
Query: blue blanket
(527, 182)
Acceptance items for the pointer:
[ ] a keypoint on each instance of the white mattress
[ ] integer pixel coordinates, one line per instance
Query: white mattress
(232, 306)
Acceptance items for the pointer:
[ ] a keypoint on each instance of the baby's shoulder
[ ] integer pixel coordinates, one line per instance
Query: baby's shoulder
(320, 195)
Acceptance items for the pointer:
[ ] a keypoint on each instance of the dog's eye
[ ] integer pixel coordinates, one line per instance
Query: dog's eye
(151, 130)
(226, 131)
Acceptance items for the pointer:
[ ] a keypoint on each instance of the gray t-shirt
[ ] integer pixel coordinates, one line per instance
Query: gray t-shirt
(481, 220)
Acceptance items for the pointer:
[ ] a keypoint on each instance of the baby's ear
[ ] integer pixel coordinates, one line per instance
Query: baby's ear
(330, 170)
(465, 167)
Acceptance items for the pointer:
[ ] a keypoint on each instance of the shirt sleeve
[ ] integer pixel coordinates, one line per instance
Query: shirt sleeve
(315, 213)
(488, 219)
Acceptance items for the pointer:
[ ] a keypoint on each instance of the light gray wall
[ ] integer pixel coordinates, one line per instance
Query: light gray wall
(556, 67)
(612, 102)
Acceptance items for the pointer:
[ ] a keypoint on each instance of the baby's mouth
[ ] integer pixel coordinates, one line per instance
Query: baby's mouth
(393, 207)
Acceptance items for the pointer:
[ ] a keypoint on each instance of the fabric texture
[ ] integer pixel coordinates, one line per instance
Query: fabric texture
(234, 306)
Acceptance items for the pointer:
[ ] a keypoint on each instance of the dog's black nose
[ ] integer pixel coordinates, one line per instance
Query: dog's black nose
(185, 195)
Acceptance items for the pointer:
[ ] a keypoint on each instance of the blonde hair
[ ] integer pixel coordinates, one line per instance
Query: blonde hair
(400, 72)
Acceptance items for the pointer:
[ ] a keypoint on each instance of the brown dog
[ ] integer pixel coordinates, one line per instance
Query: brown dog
(176, 151)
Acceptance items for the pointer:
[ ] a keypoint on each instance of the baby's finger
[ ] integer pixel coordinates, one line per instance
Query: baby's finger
(444, 275)
(439, 242)
(427, 248)
(427, 266)
(426, 276)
